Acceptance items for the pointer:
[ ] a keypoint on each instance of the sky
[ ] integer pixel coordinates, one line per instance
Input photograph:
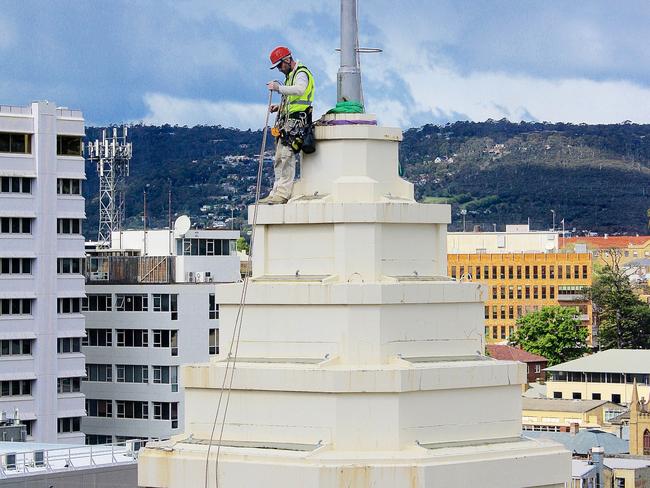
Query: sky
(190, 62)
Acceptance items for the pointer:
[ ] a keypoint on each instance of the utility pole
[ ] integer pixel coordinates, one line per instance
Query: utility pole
(349, 74)
(553, 212)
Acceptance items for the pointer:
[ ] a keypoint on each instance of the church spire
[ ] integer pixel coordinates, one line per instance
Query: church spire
(634, 402)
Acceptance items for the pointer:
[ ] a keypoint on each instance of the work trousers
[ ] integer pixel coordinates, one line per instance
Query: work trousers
(284, 167)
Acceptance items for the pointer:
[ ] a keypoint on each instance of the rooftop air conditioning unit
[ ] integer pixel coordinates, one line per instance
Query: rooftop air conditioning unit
(208, 277)
(190, 277)
(199, 277)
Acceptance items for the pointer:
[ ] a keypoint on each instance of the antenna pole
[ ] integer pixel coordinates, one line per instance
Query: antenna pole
(349, 75)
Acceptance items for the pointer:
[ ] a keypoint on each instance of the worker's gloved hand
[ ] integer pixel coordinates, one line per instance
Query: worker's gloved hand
(273, 86)
(274, 108)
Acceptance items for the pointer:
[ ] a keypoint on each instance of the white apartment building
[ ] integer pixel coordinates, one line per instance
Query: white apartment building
(516, 239)
(151, 306)
(41, 257)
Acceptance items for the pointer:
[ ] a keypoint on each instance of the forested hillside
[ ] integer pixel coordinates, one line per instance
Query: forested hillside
(595, 177)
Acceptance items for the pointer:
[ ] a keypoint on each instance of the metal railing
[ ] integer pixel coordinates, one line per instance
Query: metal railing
(70, 458)
(68, 113)
(16, 109)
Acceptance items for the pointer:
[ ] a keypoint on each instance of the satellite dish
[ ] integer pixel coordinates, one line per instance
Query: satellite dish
(182, 225)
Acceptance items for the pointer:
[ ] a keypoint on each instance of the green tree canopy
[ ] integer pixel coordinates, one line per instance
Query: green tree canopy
(623, 320)
(552, 332)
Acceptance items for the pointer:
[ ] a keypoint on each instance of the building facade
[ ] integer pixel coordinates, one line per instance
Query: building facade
(151, 306)
(41, 283)
(516, 239)
(520, 283)
(628, 248)
(607, 375)
(535, 364)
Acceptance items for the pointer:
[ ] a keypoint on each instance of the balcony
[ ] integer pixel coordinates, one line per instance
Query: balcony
(130, 270)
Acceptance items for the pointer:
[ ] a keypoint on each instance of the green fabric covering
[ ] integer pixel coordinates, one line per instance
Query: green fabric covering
(350, 107)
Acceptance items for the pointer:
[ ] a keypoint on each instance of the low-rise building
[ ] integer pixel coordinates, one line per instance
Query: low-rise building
(628, 248)
(554, 415)
(607, 375)
(151, 306)
(626, 472)
(535, 364)
(517, 284)
(516, 239)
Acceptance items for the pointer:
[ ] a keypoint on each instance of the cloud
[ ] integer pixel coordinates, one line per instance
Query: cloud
(167, 109)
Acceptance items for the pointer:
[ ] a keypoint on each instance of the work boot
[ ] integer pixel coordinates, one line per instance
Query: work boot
(266, 200)
(277, 200)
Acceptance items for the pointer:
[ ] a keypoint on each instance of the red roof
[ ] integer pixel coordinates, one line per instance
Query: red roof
(617, 242)
(509, 353)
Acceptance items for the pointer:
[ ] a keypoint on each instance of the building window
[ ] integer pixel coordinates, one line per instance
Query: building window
(595, 396)
(519, 310)
(132, 409)
(68, 385)
(453, 272)
(15, 388)
(98, 337)
(132, 302)
(494, 332)
(511, 312)
(164, 302)
(486, 271)
(503, 292)
(646, 442)
(99, 408)
(543, 292)
(577, 395)
(166, 338)
(494, 312)
(511, 272)
(132, 373)
(15, 184)
(567, 273)
(559, 272)
(69, 424)
(494, 272)
(557, 394)
(503, 312)
(97, 302)
(519, 292)
(511, 330)
(527, 290)
(535, 292)
(68, 145)
(535, 272)
(68, 305)
(538, 368)
(166, 411)
(15, 266)
(167, 375)
(205, 247)
(68, 186)
(213, 341)
(132, 337)
(503, 332)
(15, 306)
(527, 272)
(68, 226)
(213, 307)
(15, 143)
(478, 272)
(576, 272)
(551, 272)
(502, 272)
(69, 265)
(486, 312)
(585, 272)
(543, 272)
(616, 398)
(551, 292)
(98, 439)
(511, 292)
(16, 347)
(99, 372)
(494, 293)
(15, 225)
(65, 345)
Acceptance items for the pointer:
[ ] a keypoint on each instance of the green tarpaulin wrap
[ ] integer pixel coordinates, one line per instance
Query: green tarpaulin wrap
(347, 108)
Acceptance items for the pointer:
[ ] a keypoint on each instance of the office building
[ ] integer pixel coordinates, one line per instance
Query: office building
(41, 283)
(151, 305)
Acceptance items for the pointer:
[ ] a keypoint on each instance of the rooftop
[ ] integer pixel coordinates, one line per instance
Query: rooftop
(510, 353)
(557, 405)
(607, 242)
(626, 463)
(635, 361)
(584, 440)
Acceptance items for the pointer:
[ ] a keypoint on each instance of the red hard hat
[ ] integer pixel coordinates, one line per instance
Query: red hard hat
(278, 54)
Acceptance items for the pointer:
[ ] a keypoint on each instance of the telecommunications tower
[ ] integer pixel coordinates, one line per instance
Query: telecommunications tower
(112, 155)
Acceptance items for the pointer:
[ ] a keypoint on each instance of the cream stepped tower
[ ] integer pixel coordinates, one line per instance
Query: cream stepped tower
(360, 364)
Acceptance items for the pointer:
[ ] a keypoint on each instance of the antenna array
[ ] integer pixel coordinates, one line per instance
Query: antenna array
(112, 155)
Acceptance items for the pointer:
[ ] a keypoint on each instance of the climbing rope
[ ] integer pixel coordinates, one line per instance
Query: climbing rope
(231, 358)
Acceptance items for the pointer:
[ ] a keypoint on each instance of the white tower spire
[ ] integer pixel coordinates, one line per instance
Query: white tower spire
(349, 75)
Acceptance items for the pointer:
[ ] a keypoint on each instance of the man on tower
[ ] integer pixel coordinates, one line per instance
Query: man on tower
(294, 114)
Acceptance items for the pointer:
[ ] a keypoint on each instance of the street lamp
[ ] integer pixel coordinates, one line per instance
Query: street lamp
(463, 212)
(553, 212)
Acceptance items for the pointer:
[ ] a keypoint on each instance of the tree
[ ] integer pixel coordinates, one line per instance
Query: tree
(623, 320)
(552, 332)
(242, 245)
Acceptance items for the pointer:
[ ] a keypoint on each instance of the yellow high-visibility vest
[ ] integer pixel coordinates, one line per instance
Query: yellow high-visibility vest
(300, 103)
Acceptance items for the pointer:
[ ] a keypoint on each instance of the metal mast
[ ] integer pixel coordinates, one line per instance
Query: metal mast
(112, 155)
(349, 74)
